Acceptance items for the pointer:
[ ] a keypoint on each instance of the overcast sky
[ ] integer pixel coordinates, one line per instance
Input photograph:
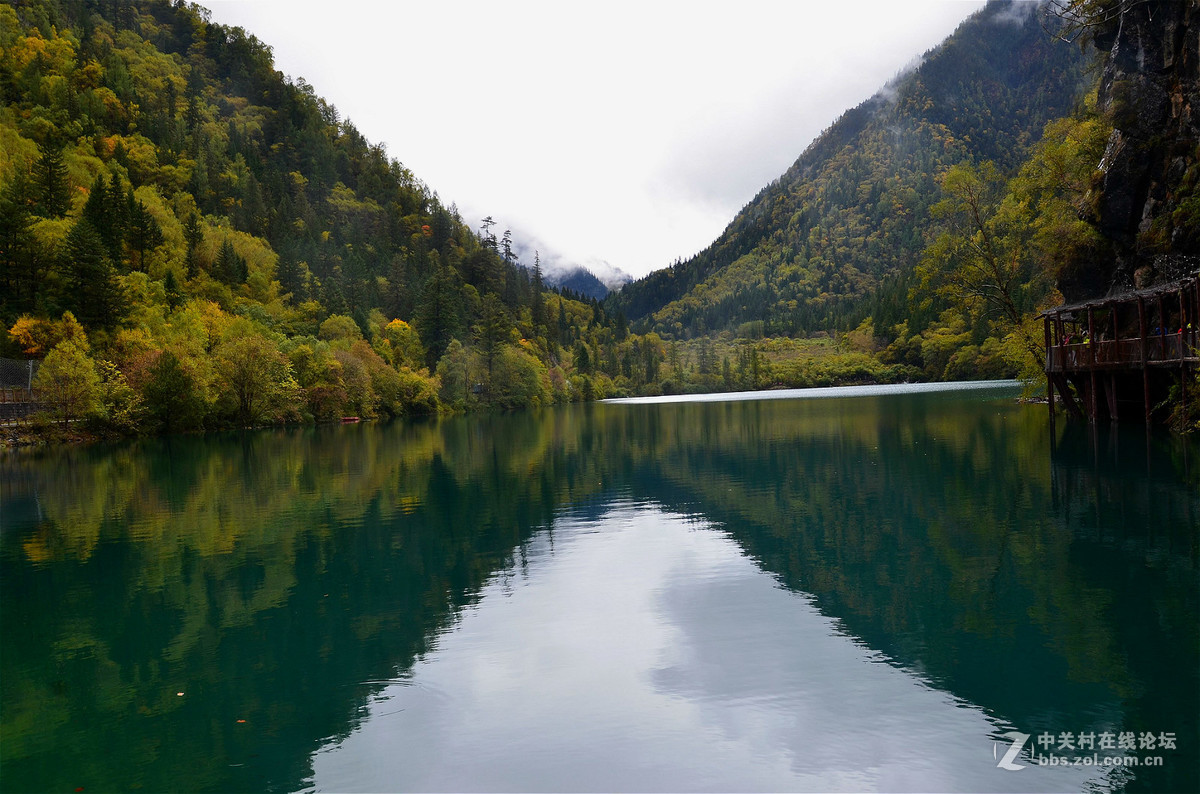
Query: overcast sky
(626, 133)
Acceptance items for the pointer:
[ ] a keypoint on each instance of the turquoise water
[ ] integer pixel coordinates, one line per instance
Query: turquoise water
(860, 591)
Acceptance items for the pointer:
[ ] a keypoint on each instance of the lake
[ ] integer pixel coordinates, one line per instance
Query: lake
(840, 590)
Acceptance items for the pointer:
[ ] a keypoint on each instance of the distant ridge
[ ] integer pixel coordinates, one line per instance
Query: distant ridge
(840, 231)
(581, 281)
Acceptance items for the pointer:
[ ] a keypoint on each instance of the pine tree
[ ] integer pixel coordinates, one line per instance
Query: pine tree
(229, 267)
(538, 303)
(52, 192)
(438, 318)
(144, 233)
(21, 267)
(193, 236)
(115, 204)
(506, 249)
(221, 265)
(563, 327)
(290, 277)
(94, 294)
(492, 331)
(583, 359)
(96, 207)
(195, 84)
(171, 287)
(486, 237)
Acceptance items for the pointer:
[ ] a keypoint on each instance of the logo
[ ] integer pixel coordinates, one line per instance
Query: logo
(1018, 741)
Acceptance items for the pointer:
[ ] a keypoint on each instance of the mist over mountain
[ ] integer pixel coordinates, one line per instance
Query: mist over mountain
(843, 228)
(580, 281)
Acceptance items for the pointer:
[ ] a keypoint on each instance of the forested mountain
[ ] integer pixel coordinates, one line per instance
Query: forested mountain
(580, 281)
(204, 242)
(836, 237)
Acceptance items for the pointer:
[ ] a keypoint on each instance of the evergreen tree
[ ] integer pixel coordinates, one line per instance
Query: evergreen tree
(506, 249)
(94, 294)
(290, 277)
(95, 210)
(492, 331)
(171, 287)
(583, 358)
(487, 238)
(52, 192)
(114, 205)
(438, 318)
(195, 85)
(21, 271)
(144, 233)
(193, 235)
(538, 304)
(229, 267)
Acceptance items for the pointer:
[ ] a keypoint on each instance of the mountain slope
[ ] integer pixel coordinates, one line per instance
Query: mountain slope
(184, 223)
(844, 223)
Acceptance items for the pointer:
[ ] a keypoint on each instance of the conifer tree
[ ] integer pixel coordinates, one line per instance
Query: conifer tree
(50, 182)
(538, 306)
(193, 236)
(438, 318)
(114, 208)
(222, 266)
(20, 265)
(94, 294)
(229, 267)
(492, 331)
(95, 209)
(171, 287)
(144, 233)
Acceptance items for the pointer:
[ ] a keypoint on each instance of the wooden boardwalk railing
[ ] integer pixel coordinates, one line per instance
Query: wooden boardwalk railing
(1122, 353)
(17, 404)
(14, 395)
(1102, 344)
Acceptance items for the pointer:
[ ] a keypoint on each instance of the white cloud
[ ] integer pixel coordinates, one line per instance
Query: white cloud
(621, 132)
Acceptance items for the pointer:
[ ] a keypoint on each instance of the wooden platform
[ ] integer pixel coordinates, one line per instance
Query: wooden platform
(1132, 347)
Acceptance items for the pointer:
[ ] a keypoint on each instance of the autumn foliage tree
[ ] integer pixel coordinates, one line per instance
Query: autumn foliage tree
(68, 383)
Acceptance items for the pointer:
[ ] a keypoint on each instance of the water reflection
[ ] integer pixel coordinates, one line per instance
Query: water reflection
(301, 587)
(647, 653)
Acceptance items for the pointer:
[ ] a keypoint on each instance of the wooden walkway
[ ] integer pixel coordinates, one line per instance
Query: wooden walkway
(16, 404)
(1148, 338)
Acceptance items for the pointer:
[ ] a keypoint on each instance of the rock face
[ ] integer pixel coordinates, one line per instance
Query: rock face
(1149, 206)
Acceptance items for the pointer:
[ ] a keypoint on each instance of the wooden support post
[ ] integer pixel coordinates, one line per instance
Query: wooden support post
(1090, 352)
(1049, 367)
(1064, 392)
(1145, 354)
(1182, 328)
(1195, 312)
(1110, 391)
(1115, 319)
(1162, 330)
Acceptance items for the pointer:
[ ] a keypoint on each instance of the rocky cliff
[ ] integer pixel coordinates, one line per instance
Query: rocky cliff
(1149, 205)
